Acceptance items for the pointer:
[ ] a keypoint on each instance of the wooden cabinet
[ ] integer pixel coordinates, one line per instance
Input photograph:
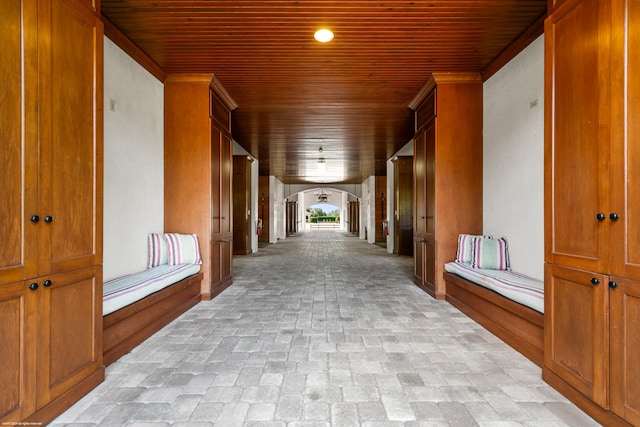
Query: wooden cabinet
(291, 217)
(403, 205)
(51, 213)
(241, 205)
(380, 201)
(354, 217)
(222, 184)
(592, 205)
(447, 173)
(264, 208)
(198, 169)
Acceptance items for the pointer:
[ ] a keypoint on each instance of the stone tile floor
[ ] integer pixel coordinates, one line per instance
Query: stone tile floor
(323, 329)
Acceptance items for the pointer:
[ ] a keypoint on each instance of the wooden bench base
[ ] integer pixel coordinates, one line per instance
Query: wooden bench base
(126, 328)
(519, 326)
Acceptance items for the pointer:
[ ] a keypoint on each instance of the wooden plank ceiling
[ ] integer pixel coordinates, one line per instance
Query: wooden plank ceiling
(296, 95)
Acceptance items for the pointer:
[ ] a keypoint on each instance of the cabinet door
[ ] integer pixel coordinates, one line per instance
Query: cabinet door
(625, 161)
(576, 329)
(430, 275)
(577, 78)
(221, 208)
(226, 205)
(226, 179)
(419, 179)
(70, 137)
(17, 352)
(226, 255)
(418, 261)
(403, 206)
(69, 319)
(625, 349)
(18, 151)
(216, 211)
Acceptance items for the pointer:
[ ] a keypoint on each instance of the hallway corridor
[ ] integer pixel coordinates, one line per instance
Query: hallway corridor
(323, 329)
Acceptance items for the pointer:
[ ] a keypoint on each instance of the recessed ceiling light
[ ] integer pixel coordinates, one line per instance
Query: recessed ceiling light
(323, 35)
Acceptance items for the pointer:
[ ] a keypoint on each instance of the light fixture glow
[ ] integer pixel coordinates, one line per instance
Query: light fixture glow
(321, 164)
(323, 35)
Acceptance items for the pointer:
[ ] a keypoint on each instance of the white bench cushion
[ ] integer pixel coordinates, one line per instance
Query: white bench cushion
(515, 286)
(125, 290)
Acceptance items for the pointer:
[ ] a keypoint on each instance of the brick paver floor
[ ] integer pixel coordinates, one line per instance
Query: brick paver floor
(323, 329)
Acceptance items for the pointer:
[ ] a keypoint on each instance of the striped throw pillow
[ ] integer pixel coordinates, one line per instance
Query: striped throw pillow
(490, 254)
(464, 252)
(183, 249)
(158, 250)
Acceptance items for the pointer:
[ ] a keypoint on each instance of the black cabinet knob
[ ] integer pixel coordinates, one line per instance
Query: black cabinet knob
(600, 217)
(47, 283)
(34, 218)
(613, 285)
(613, 216)
(595, 281)
(33, 286)
(48, 218)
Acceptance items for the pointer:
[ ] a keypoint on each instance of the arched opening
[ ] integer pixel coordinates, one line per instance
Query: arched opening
(322, 215)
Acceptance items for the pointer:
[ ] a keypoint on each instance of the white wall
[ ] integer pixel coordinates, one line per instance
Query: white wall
(364, 209)
(277, 210)
(368, 209)
(391, 196)
(133, 162)
(255, 172)
(513, 193)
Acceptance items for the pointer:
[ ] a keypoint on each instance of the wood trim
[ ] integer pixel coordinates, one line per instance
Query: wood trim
(138, 55)
(204, 79)
(517, 325)
(525, 39)
(218, 288)
(49, 412)
(222, 93)
(594, 410)
(442, 78)
(126, 328)
(422, 93)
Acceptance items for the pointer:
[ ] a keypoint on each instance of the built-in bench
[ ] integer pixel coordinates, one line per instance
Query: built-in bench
(508, 304)
(137, 305)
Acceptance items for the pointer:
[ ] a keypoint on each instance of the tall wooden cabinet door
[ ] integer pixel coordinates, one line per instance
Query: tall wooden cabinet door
(418, 260)
(70, 136)
(625, 345)
(430, 208)
(419, 207)
(577, 78)
(226, 205)
(216, 206)
(69, 330)
(17, 352)
(575, 325)
(403, 206)
(18, 151)
(226, 202)
(625, 141)
(419, 179)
